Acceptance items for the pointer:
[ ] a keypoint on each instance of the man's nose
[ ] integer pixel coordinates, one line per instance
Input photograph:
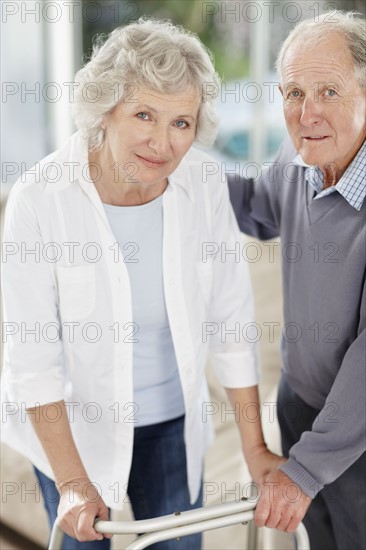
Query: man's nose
(312, 111)
(159, 141)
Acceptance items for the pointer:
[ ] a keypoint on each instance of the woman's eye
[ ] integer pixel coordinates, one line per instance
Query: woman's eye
(143, 116)
(181, 124)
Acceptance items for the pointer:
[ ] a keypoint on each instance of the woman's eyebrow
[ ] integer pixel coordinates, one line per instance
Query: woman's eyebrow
(145, 107)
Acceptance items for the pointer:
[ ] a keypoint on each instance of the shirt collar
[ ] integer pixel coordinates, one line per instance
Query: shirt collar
(68, 165)
(182, 176)
(352, 185)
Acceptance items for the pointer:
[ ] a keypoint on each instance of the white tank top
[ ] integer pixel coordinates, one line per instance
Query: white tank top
(157, 389)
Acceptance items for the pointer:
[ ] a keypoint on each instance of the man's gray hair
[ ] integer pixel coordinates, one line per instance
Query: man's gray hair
(347, 23)
(149, 53)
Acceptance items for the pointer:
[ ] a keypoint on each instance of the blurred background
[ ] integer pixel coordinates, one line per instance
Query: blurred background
(43, 44)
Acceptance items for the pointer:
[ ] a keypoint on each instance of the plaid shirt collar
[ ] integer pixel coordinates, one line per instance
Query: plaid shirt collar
(352, 185)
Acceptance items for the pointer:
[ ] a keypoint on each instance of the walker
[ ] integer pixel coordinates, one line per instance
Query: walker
(180, 524)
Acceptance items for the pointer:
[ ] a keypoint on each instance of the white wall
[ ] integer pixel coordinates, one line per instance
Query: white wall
(39, 46)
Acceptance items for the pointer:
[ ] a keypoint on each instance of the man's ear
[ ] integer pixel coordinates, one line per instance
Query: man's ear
(281, 89)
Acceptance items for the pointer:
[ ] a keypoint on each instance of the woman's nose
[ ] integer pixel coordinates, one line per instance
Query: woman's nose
(159, 141)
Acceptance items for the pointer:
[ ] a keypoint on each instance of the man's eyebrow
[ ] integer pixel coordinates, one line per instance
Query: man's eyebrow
(145, 107)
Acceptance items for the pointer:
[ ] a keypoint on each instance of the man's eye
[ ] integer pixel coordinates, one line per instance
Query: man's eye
(294, 94)
(143, 116)
(181, 124)
(330, 92)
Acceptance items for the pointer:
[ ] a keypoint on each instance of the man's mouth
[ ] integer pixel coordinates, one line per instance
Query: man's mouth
(315, 138)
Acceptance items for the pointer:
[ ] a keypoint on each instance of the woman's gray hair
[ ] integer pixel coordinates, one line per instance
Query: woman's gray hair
(346, 23)
(150, 53)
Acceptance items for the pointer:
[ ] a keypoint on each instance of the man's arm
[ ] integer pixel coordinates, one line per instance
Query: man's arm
(257, 204)
(337, 438)
(253, 208)
(336, 441)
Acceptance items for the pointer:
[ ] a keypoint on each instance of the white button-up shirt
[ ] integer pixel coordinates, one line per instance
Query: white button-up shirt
(69, 329)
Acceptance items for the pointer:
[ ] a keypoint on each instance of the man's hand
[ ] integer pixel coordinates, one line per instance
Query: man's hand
(282, 504)
(80, 504)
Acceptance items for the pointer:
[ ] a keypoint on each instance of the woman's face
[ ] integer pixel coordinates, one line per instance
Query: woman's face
(148, 134)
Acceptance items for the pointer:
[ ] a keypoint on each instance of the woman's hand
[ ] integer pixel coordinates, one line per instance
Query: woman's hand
(80, 504)
(262, 462)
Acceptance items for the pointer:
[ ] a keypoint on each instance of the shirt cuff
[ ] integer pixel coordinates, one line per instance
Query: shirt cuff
(307, 483)
(28, 392)
(235, 370)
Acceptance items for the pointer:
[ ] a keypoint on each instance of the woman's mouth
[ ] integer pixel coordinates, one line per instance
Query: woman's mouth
(154, 163)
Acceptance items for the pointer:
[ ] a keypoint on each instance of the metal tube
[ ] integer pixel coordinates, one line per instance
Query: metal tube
(302, 538)
(174, 520)
(57, 537)
(180, 524)
(252, 531)
(167, 534)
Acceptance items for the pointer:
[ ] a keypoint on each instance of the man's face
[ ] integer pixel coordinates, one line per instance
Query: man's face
(324, 103)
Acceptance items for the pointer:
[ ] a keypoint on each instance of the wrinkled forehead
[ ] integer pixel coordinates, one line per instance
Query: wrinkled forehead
(135, 92)
(188, 98)
(184, 103)
(325, 58)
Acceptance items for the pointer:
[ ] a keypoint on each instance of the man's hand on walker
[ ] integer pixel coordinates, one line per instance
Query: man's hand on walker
(80, 504)
(282, 504)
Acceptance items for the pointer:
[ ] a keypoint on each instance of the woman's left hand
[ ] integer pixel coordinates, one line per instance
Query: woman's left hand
(263, 462)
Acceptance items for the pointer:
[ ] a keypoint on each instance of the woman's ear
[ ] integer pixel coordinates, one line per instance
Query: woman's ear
(104, 122)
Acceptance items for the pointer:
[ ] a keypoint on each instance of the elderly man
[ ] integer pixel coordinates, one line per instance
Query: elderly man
(312, 196)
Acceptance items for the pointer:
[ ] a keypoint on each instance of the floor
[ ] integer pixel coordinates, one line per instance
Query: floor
(9, 540)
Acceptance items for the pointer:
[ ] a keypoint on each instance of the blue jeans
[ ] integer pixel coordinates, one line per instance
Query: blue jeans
(157, 485)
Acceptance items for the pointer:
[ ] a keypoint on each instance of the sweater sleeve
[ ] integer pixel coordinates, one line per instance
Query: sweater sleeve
(256, 204)
(337, 438)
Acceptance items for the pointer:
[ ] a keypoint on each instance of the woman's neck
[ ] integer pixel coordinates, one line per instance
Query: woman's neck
(121, 191)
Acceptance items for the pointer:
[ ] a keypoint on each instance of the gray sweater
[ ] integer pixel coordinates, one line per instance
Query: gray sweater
(323, 271)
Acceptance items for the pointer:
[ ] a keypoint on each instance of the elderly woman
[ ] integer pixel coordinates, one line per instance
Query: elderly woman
(125, 292)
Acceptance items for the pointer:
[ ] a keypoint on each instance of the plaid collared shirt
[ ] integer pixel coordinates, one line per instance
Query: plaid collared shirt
(352, 185)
